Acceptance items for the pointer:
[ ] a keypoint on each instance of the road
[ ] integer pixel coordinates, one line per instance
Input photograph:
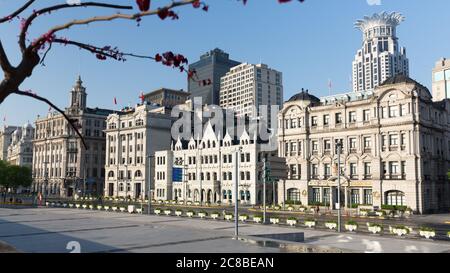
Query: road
(62, 230)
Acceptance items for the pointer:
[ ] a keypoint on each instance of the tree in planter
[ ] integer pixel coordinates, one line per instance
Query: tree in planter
(34, 51)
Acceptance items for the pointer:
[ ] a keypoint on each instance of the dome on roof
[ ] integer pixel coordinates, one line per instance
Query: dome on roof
(27, 125)
(304, 95)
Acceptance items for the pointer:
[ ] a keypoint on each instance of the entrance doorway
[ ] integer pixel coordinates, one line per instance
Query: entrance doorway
(69, 192)
(110, 189)
(137, 191)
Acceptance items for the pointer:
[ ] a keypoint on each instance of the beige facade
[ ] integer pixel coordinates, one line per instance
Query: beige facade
(207, 173)
(131, 141)
(396, 148)
(247, 86)
(62, 166)
(441, 80)
(5, 140)
(20, 151)
(166, 97)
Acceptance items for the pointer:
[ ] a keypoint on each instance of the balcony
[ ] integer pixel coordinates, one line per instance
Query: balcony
(326, 176)
(393, 148)
(394, 177)
(354, 177)
(367, 177)
(315, 177)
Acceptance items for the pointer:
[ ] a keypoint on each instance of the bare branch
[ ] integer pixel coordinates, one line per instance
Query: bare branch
(71, 122)
(37, 13)
(17, 12)
(4, 62)
(112, 53)
(41, 40)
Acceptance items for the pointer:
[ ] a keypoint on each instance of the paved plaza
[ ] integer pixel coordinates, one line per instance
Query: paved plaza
(65, 230)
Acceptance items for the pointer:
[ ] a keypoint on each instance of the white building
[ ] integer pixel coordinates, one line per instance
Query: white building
(206, 170)
(396, 148)
(380, 56)
(62, 166)
(131, 140)
(441, 80)
(20, 151)
(5, 140)
(246, 86)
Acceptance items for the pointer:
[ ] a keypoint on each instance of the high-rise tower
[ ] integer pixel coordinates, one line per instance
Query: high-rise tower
(380, 56)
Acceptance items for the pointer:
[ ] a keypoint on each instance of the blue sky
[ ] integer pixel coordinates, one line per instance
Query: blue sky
(310, 43)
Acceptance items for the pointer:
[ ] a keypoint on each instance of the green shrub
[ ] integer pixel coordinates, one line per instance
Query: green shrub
(391, 207)
(292, 202)
(427, 229)
(352, 223)
(292, 219)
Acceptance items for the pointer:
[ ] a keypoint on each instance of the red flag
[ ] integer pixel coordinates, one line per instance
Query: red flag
(142, 97)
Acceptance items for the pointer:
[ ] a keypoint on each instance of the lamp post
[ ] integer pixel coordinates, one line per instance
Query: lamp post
(149, 186)
(264, 190)
(236, 190)
(339, 148)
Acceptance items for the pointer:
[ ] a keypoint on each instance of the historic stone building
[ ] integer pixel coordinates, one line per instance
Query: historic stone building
(203, 169)
(396, 148)
(5, 140)
(132, 138)
(61, 163)
(166, 97)
(20, 151)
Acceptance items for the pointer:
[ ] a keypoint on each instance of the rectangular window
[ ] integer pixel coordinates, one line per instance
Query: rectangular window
(326, 120)
(338, 118)
(366, 115)
(393, 111)
(352, 117)
(368, 197)
(314, 121)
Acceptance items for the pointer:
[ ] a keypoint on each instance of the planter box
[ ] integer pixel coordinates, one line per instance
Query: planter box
(331, 225)
(427, 234)
(174, 202)
(47, 204)
(91, 206)
(114, 208)
(71, 205)
(257, 219)
(400, 231)
(78, 206)
(64, 205)
(157, 211)
(131, 208)
(351, 227)
(274, 221)
(106, 208)
(160, 201)
(379, 213)
(189, 214)
(178, 212)
(291, 222)
(122, 209)
(302, 209)
(84, 206)
(202, 215)
(228, 217)
(168, 212)
(215, 216)
(363, 213)
(374, 229)
(243, 218)
(310, 224)
(139, 210)
(99, 207)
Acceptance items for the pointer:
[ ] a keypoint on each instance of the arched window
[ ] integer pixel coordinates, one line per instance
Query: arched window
(230, 196)
(242, 195)
(138, 173)
(121, 187)
(224, 193)
(111, 174)
(395, 198)
(293, 195)
(247, 194)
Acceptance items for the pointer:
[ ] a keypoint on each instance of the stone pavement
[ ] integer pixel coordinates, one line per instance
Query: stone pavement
(65, 230)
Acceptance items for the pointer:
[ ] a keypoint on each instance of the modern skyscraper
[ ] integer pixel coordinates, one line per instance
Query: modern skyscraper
(380, 56)
(249, 85)
(211, 66)
(441, 80)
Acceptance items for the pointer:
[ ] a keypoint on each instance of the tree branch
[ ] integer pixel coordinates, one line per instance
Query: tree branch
(42, 39)
(71, 122)
(4, 62)
(37, 13)
(112, 52)
(17, 12)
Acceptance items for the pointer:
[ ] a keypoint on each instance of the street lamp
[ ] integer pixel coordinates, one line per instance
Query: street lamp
(236, 189)
(339, 148)
(149, 187)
